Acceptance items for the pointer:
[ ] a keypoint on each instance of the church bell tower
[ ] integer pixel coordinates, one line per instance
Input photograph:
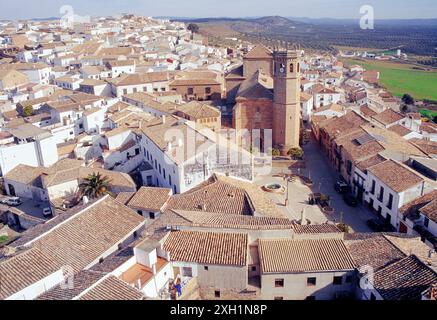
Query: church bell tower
(286, 102)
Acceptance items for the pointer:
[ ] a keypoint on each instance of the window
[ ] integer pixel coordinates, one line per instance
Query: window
(338, 281)
(208, 90)
(187, 272)
(140, 212)
(217, 293)
(135, 234)
(137, 151)
(205, 268)
(311, 281)
(253, 268)
(291, 68)
(124, 91)
(390, 201)
(101, 260)
(349, 167)
(169, 179)
(372, 191)
(426, 222)
(190, 91)
(381, 194)
(278, 298)
(279, 283)
(152, 215)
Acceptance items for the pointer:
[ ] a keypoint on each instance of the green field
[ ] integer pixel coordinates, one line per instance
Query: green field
(402, 78)
(428, 113)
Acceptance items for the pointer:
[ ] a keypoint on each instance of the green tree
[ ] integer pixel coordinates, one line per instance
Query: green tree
(194, 28)
(405, 108)
(407, 99)
(295, 153)
(27, 111)
(94, 186)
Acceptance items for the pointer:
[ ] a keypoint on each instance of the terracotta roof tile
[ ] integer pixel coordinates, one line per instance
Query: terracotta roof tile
(224, 220)
(112, 288)
(375, 251)
(388, 116)
(404, 280)
(283, 255)
(207, 247)
(395, 176)
(150, 199)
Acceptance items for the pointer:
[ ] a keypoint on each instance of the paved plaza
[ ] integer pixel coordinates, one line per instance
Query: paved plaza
(324, 177)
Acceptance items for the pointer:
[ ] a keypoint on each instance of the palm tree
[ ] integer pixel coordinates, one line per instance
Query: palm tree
(94, 186)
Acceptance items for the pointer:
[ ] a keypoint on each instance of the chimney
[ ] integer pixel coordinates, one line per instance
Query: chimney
(180, 142)
(85, 200)
(163, 119)
(303, 219)
(169, 146)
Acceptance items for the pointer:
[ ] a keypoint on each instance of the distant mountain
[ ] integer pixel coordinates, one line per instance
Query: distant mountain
(414, 36)
(45, 19)
(382, 22)
(278, 20)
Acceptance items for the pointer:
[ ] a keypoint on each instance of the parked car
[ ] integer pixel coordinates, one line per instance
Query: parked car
(47, 212)
(377, 225)
(350, 200)
(341, 186)
(12, 201)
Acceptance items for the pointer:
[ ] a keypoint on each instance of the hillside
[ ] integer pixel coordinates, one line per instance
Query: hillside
(324, 34)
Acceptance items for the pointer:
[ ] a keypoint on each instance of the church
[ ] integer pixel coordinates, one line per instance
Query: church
(265, 92)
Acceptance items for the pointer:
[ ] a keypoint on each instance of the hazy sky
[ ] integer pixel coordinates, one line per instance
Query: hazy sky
(384, 9)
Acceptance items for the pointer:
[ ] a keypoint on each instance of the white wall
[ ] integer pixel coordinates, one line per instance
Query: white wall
(38, 288)
(296, 288)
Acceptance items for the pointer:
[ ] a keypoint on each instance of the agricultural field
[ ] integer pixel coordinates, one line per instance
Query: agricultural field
(401, 78)
(430, 114)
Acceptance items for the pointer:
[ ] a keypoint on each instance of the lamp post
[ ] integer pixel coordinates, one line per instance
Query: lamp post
(286, 198)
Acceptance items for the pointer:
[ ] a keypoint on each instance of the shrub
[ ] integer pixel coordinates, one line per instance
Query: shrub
(276, 152)
(295, 153)
(343, 227)
(3, 239)
(28, 111)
